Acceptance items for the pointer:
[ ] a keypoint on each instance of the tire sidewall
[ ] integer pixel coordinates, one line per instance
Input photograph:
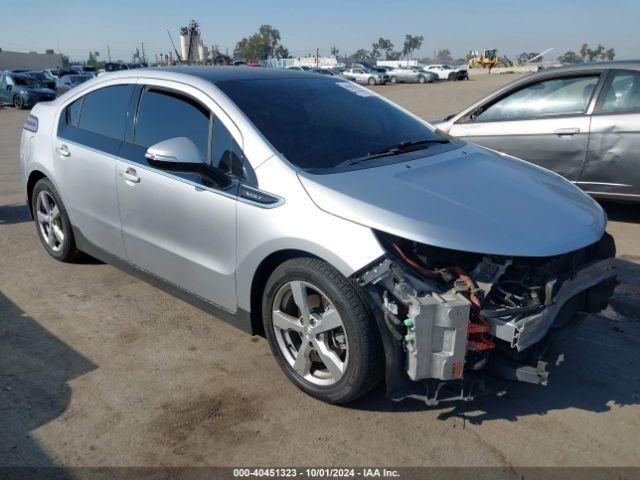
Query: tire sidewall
(68, 248)
(287, 273)
(18, 102)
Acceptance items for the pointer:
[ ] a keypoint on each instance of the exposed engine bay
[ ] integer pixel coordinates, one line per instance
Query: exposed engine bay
(453, 317)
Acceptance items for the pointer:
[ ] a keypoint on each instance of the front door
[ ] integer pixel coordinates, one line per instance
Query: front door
(178, 226)
(613, 160)
(545, 123)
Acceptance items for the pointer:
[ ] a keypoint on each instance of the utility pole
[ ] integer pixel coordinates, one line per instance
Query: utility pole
(144, 58)
(317, 54)
(108, 53)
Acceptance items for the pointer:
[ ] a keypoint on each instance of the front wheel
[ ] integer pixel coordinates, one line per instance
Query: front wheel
(421, 79)
(18, 102)
(393, 79)
(452, 76)
(320, 331)
(371, 81)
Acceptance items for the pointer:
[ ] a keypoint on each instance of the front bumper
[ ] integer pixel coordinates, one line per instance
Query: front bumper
(521, 332)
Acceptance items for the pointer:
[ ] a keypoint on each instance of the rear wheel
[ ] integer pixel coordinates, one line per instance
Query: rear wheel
(371, 81)
(421, 79)
(453, 76)
(393, 79)
(320, 331)
(52, 222)
(18, 102)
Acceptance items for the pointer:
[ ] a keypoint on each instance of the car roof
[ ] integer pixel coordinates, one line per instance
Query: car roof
(215, 74)
(616, 64)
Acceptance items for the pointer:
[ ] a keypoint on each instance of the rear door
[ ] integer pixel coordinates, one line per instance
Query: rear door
(545, 122)
(180, 226)
(612, 166)
(90, 132)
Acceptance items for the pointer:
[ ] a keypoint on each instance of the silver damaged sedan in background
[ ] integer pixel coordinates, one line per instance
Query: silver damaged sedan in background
(362, 243)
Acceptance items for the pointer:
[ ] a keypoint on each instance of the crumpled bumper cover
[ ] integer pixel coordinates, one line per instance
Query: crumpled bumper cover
(523, 331)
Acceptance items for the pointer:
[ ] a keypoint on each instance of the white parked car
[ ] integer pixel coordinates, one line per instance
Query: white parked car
(444, 72)
(363, 75)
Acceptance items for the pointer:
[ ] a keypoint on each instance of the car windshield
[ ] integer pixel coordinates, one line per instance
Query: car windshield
(76, 79)
(320, 123)
(27, 81)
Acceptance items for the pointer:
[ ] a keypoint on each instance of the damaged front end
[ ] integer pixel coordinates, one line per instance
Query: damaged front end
(449, 318)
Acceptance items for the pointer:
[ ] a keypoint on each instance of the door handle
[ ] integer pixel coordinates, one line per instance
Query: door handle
(63, 150)
(130, 175)
(567, 132)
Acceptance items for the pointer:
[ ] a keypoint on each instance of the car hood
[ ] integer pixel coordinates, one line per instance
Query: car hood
(468, 199)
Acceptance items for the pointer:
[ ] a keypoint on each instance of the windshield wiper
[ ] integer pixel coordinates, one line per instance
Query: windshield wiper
(402, 147)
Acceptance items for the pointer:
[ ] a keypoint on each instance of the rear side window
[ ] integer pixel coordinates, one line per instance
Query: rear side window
(558, 96)
(163, 115)
(622, 93)
(104, 111)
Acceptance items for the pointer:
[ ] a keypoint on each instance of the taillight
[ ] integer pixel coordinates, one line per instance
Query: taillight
(31, 123)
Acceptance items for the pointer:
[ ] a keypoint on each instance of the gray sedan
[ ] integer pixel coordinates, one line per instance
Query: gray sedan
(582, 122)
(409, 75)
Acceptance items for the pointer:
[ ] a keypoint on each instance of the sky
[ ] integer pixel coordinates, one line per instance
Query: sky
(75, 27)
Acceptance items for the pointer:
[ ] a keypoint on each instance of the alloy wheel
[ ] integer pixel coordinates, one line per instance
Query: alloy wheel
(310, 333)
(49, 221)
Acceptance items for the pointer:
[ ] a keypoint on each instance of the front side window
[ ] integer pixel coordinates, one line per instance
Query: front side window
(104, 111)
(73, 113)
(225, 152)
(558, 96)
(322, 122)
(622, 93)
(163, 115)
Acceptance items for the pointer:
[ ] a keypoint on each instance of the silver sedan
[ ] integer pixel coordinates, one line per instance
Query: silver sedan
(581, 121)
(306, 208)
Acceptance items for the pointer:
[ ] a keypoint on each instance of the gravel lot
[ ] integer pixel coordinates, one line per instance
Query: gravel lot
(100, 369)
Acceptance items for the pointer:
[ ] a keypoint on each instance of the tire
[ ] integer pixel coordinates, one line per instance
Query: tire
(452, 76)
(360, 350)
(371, 81)
(393, 79)
(64, 250)
(18, 102)
(421, 79)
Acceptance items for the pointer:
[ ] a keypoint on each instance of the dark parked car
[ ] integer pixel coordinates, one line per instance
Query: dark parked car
(323, 71)
(43, 78)
(23, 90)
(115, 66)
(67, 82)
(581, 121)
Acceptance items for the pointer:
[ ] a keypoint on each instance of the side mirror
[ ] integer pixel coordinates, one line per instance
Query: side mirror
(175, 153)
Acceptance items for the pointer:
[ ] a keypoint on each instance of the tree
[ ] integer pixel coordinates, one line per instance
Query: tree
(281, 52)
(382, 46)
(360, 56)
(584, 49)
(593, 54)
(335, 51)
(411, 44)
(610, 54)
(570, 57)
(524, 57)
(259, 46)
(444, 56)
(394, 55)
